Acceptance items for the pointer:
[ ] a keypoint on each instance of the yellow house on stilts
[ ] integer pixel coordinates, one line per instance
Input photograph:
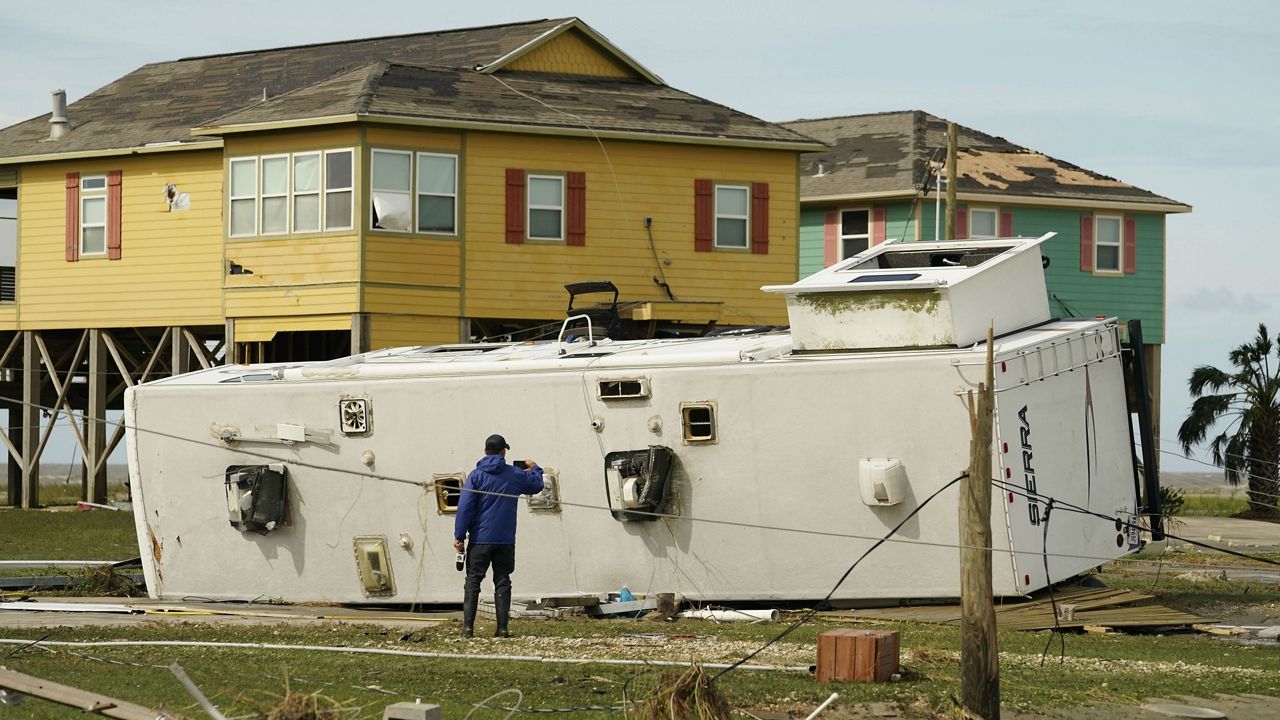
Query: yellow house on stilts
(309, 202)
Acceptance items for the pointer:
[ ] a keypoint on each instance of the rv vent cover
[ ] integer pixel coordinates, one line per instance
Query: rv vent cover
(624, 388)
(353, 415)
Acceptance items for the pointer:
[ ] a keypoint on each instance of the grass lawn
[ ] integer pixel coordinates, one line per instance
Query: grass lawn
(67, 535)
(1214, 504)
(1117, 669)
(1121, 668)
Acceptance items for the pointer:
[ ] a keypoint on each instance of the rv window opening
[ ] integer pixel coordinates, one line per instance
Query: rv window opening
(252, 377)
(475, 348)
(448, 493)
(623, 389)
(907, 258)
(699, 423)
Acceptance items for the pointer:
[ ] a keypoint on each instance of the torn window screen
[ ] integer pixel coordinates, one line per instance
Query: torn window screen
(392, 206)
(391, 211)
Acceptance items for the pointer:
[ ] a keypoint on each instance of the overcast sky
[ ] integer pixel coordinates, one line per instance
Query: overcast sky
(1176, 97)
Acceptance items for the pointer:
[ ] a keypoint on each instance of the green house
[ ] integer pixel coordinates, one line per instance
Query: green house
(877, 182)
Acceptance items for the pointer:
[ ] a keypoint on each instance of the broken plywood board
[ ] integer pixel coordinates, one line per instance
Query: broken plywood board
(1110, 607)
(83, 700)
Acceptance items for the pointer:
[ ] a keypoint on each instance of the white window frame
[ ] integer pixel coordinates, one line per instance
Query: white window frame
(231, 198)
(995, 223)
(373, 172)
(294, 194)
(1118, 244)
(530, 207)
(841, 237)
(93, 194)
(326, 191)
(717, 215)
(260, 225)
(417, 193)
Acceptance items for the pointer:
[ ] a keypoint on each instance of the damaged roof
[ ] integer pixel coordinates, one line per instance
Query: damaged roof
(439, 95)
(889, 153)
(161, 103)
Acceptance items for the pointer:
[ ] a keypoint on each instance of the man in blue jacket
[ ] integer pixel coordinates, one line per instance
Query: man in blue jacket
(486, 526)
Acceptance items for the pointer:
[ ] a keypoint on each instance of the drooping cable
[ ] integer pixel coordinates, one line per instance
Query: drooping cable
(817, 606)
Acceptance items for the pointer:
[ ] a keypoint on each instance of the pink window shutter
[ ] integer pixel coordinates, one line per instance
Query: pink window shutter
(962, 224)
(1130, 246)
(1006, 224)
(830, 238)
(1086, 243)
(877, 225)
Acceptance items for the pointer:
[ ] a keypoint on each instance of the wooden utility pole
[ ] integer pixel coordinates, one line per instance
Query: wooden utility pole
(979, 656)
(950, 225)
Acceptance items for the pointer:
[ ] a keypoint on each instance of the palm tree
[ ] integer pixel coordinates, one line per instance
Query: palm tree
(1249, 400)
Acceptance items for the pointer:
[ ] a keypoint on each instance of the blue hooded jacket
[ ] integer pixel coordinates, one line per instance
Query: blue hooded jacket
(491, 518)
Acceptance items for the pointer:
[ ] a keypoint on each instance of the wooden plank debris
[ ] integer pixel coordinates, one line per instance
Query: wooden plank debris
(83, 700)
(1109, 607)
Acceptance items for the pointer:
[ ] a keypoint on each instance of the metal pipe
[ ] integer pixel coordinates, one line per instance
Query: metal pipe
(823, 706)
(59, 125)
(731, 615)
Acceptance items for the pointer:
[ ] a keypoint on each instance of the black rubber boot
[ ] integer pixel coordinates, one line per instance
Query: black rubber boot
(469, 599)
(502, 609)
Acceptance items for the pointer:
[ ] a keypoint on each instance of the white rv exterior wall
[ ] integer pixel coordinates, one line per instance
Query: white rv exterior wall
(790, 433)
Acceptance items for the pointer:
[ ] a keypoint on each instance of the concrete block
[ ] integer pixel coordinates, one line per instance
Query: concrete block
(412, 711)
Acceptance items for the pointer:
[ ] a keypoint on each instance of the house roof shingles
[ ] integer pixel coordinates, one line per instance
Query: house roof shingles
(524, 99)
(163, 102)
(886, 153)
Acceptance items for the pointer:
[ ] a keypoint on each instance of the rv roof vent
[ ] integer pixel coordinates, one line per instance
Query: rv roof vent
(624, 389)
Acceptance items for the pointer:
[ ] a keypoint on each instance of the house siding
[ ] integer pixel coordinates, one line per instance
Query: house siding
(812, 248)
(571, 53)
(634, 180)
(1138, 296)
(170, 272)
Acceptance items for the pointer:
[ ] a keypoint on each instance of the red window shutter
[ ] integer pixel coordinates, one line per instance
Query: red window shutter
(760, 218)
(703, 215)
(1006, 224)
(1086, 243)
(73, 217)
(576, 199)
(830, 238)
(515, 206)
(962, 224)
(1130, 246)
(114, 198)
(877, 225)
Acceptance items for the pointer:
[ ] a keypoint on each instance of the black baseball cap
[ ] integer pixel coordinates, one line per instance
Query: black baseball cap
(495, 444)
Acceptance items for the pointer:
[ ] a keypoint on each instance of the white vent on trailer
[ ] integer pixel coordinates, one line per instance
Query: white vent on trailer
(353, 415)
(883, 481)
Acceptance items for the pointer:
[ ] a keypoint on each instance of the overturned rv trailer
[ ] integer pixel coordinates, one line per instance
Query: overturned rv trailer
(751, 467)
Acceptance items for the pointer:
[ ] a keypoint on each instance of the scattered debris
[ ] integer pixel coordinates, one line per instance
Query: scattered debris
(629, 609)
(82, 700)
(1179, 710)
(113, 578)
(730, 615)
(684, 696)
(1096, 607)
(519, 611)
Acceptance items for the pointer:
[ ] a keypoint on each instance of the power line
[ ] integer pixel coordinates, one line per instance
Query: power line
(431, 485)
